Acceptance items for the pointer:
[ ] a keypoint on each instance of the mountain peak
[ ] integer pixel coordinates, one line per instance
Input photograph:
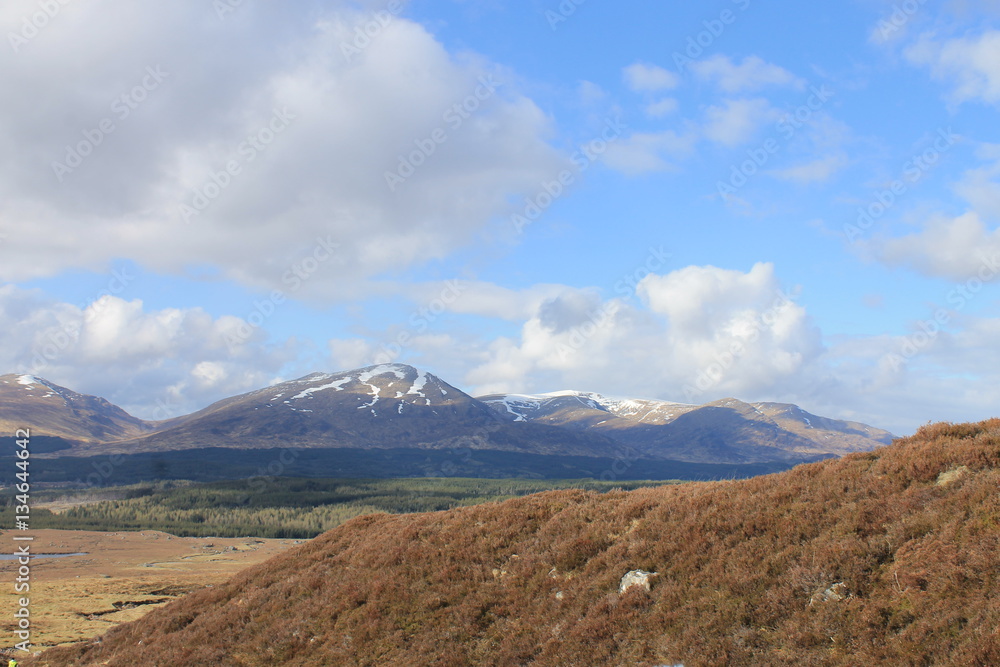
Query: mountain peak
(51, 410)
(31, 382)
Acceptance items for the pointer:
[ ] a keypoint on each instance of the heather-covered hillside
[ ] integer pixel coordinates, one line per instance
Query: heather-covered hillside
(888, 557)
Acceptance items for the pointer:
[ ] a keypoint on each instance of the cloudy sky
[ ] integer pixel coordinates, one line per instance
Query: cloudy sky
(684, 201)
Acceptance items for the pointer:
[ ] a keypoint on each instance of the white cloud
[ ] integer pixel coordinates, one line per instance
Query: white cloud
(677, 343)
(322, 176)
(750, 75)
(969, 65)
(816, 171)
(491, 300)
(736, 121)
(156, 364)
(643, 152)
(347, 353)
(591, 93)
(642, 77)
(661, 108)
(953, 248)
(981, 186)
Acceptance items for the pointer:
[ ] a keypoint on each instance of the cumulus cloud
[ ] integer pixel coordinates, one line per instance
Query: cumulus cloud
(736, 121)
(980, 186)
(156, 364)
(693, 334)
(969, 65)
(646, 78)
(661, 108)
(470, 297)
(815, 171)
(750, 75)
(643, 152)
(275, 130)
(954, 248)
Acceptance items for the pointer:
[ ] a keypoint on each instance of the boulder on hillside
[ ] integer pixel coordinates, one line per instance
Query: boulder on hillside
(635, 578)
(835, 593)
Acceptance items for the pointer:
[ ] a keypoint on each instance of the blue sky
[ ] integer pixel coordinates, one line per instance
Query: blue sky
(731, 198)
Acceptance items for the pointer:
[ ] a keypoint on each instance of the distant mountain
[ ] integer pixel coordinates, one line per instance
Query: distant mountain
(396, 420)
(51, 410)
(379, 407)
(878, 558)
(726, 431)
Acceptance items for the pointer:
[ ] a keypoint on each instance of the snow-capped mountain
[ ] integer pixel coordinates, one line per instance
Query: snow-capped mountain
(380, 407)
(392, 389)
(556, 406)
(398, 407)
(728, 431)
(51, 410)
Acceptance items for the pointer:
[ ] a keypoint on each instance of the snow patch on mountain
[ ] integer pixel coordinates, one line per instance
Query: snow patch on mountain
(383, 369)
(418, 385)
(525, 406)
(518, 405)
(336, 384)
(31, 382)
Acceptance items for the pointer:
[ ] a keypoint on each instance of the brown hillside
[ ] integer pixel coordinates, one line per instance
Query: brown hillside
(911, 531)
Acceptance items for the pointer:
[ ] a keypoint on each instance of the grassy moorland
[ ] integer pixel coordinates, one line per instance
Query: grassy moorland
(272, 508)
(886, 557)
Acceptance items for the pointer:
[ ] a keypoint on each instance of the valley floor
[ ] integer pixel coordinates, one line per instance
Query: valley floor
(123, 576)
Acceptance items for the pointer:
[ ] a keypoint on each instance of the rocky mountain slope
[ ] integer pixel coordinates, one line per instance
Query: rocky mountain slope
(51, 410)
(885, 557)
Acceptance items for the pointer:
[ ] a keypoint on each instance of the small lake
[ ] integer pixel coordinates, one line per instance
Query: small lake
(34, 556)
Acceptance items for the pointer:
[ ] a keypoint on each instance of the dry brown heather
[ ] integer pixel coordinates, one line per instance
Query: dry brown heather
(911, 534)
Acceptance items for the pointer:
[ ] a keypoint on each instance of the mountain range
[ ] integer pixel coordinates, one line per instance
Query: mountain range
(390, 416)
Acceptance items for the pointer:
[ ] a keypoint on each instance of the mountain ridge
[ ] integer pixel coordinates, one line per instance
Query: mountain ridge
(666, 429)
(392, 406)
